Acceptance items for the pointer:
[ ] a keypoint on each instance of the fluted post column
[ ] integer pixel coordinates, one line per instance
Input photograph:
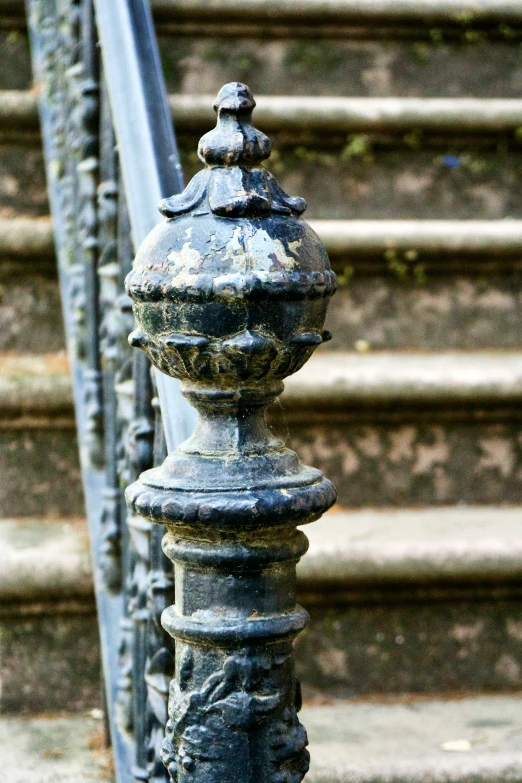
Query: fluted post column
(230, 296)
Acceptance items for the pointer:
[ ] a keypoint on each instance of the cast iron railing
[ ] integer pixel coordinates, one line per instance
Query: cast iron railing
(230, 296)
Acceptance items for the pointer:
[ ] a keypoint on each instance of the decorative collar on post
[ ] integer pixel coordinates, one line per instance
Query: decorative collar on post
(230, 296)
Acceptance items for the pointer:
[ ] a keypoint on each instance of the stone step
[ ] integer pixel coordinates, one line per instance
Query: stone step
(416, 601)
(403, 285)
(286, 19)
(389, 429)
(412, 601)
(403, 60)
(349, 550)
(48, 628)
(357, 179)
(55, 748)
(472, 740)
(329, 383)
(336, 114)
(352, 549)
(25, 238)
(469, 740)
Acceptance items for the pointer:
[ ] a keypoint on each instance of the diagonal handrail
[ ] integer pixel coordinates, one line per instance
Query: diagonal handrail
(147, 147)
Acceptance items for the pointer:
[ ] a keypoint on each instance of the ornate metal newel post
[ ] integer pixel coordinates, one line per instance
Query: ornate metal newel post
(230, 295)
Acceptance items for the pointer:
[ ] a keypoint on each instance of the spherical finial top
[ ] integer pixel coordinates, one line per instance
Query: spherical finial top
(234, 141)
(233, 287)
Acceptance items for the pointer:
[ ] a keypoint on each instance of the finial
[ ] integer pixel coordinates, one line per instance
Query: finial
(234, 182)
(234, 141)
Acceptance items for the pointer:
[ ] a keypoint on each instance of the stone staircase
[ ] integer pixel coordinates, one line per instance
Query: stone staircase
(412, 660)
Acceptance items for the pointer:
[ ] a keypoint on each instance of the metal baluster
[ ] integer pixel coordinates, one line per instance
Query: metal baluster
(230, 296)
(87, 232)
(124, 388)
(159, 668)
(112, 346)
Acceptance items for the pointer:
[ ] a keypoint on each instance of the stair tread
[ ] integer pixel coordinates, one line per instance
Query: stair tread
(41, 381)
(449, 11)
(42, 559)
(401, 742)
(414, 545)
(18, 108)
(53, 749)
(358, 741)
(26, 237)
(393, 377)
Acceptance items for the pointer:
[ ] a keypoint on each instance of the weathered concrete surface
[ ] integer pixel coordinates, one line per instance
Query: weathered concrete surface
(53, 749)
(402, 742)
(390, 429)
(42, 560)
(363, 549)
(356, 177)
(35, 384)
(22, 179)
(387, 463)
(413, 546)
(344, 380)
(410, 641)
(440, 314)
(49, 657)
(355, 180)
(330, 67)
(357, 742)
(335, 382)
(15, 73)
(30, 313)
(39, 469)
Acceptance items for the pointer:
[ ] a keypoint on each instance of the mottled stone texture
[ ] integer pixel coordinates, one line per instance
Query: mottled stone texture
(49, 662)
(22, 180)
(55, 749)
(15, 73)
(405, 464)
(30, 314)
(40, 472)
(356, 179)
(378, 67)
(440, 313)
(320, 67)
(452, 644)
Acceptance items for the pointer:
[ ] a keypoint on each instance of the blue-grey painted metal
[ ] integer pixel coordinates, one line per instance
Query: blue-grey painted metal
(109, 604)
(147, 148)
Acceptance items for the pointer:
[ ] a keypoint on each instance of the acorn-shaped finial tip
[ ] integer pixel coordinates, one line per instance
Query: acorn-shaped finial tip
(234, 98)
(234, 141)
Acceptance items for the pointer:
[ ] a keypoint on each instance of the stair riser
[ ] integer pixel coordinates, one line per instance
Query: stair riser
(315, 67)
(22, 180)
(375, 463)
(393, 184)
(451, 646)
(50, 662)
(30, 312)
(377, 67)
(15, 73)
(408, 463)
(40, 471)
(439, 313)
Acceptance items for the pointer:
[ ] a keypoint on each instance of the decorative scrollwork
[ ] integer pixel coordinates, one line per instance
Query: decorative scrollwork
(241, 704)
